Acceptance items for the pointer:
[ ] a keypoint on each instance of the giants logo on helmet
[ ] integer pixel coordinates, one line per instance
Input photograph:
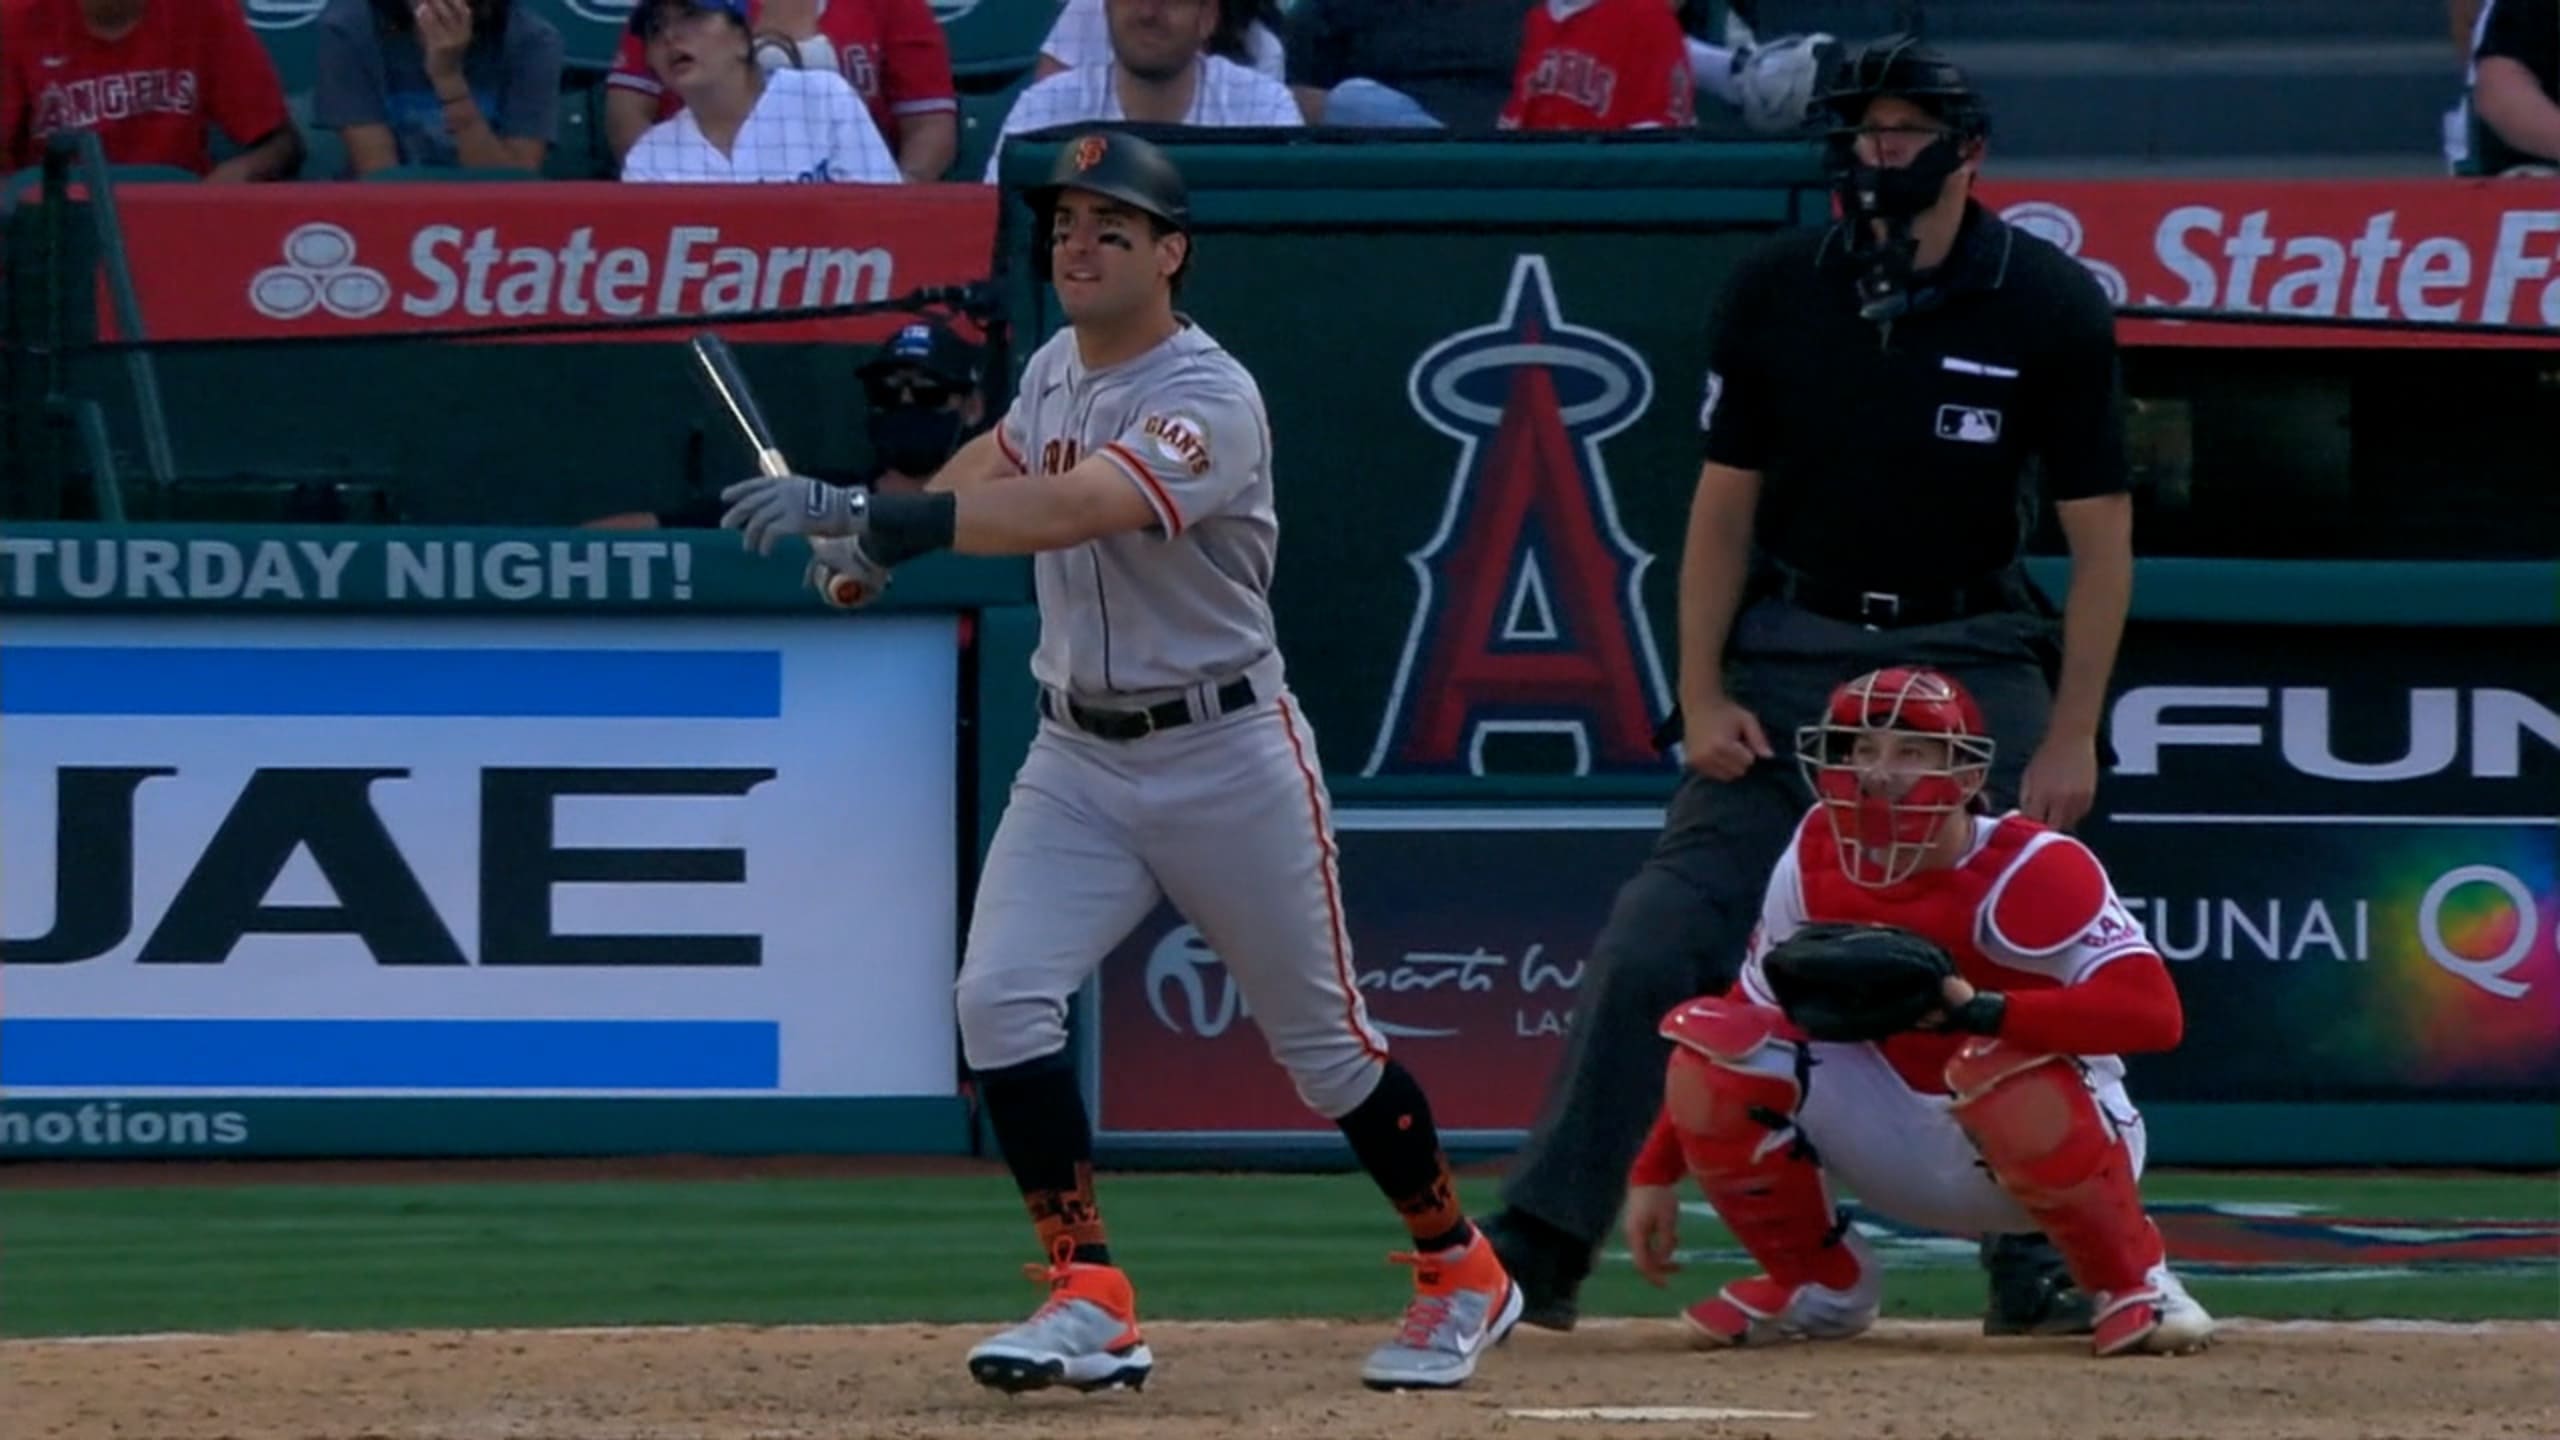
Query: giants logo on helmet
(1531, 614)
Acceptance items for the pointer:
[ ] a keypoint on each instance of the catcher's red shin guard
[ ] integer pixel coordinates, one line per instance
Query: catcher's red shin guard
(2038, 1127)
(1732, 1092)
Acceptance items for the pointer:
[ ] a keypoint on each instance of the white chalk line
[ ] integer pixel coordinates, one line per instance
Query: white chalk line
(1918, 1329)
(1640, 1414)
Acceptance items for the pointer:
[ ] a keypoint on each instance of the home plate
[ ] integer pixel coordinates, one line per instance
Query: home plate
(1643, 1413)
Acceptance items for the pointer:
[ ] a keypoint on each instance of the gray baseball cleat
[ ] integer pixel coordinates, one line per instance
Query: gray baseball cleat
(1463, 1305)
(1084, 1336)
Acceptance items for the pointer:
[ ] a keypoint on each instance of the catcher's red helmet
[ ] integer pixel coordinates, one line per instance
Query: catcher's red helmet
(1896, 752)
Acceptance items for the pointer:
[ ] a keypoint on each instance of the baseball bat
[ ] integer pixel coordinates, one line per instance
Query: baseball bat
(716, 366)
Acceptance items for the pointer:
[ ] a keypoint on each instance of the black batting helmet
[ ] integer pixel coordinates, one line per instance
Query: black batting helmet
(1124, 167)
(1899, 65)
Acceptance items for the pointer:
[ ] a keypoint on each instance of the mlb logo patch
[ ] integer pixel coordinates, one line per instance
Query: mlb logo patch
(1972, 424)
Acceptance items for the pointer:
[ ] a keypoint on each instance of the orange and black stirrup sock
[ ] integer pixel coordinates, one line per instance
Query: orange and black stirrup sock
(1037, 1113)
(1392, 1134)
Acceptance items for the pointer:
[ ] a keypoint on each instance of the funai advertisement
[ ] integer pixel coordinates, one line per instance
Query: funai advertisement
(2345, 844)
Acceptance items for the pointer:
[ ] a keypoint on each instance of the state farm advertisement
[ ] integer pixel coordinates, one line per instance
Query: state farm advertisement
(2414, 253)
(225, 262)
(1469, 932)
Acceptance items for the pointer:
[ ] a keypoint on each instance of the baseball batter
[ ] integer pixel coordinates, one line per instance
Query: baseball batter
(1171, 761)
(2003, 1110)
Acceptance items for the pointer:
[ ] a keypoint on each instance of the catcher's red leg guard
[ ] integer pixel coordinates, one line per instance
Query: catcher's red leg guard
(1732, 1092)
(2038, 1127)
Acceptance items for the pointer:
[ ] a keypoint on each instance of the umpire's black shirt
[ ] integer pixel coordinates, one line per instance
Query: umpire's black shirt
(1893, 457)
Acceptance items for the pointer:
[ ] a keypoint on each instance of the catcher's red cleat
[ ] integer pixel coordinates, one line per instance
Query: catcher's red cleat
(1762, 1311)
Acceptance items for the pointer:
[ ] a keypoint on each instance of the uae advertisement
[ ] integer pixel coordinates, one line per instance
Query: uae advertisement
(425, 859)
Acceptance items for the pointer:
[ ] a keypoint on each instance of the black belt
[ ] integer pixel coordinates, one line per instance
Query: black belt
(1236, 694)
(1892, 609)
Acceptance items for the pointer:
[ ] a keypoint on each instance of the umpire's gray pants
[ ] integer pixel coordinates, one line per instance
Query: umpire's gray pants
(1678, 927)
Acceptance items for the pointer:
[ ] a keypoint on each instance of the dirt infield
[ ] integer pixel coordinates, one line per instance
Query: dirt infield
(1903, 1382)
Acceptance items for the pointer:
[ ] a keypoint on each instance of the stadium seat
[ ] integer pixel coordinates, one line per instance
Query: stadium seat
(590, 30)
(578, 149)
(324, 154)
(290, 31)
(994, 37)
(982, 115)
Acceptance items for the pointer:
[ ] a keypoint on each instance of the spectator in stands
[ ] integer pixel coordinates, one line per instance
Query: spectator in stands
(2462, 17)
(1248, 33)
(1160, 72)
(2515, 88)
(153, 78)
(1372, 64)
(924, 393)
(741, 123)
(1602, 65)
(1768, 84)
(892, 52)
(438, 83)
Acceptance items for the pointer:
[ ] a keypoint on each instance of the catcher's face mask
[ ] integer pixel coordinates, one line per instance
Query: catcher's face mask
(1895, 756)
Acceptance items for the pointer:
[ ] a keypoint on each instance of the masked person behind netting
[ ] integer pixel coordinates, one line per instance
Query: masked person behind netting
(923, 393)
(1876, 394)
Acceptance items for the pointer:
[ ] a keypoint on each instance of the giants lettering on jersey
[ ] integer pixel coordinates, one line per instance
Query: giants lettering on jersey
(1178, 440)
(1577, 76)
(81, 104)
(1058, 457)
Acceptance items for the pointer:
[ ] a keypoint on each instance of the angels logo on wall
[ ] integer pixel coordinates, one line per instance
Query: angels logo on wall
(1530, 619)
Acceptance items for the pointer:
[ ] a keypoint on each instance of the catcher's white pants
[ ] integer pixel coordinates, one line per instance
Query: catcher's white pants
(1901, 1153)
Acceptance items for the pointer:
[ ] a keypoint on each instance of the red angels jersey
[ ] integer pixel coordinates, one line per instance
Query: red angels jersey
(152, 94)
(2028, 909)
(892, 52)
(1602, 65)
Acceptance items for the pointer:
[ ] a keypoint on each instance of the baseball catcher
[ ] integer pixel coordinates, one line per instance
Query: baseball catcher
(1930, 1012)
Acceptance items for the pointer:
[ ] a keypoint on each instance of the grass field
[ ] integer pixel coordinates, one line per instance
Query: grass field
(945, 1249)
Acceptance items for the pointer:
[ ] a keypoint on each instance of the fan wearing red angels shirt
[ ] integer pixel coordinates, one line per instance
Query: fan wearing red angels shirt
(892, 52)
(1602, 65)
(2003, 1111)
(151, 77)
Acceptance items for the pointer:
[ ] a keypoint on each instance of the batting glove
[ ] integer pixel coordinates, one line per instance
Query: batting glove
(845, 573)
(769, 507)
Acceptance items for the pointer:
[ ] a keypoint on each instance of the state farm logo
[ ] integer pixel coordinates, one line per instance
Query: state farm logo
(485, 273)
(2059, 227)
(2318, 251)
(319, 273)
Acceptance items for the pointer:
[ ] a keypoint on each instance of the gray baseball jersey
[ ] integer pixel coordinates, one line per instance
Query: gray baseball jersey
(1151, 612)
(1226, 816)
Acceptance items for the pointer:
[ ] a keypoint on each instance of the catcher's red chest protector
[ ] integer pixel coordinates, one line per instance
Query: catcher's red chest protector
(1943, 905)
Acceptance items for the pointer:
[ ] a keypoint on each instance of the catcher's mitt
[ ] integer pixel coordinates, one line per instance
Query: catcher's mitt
(1857, 982)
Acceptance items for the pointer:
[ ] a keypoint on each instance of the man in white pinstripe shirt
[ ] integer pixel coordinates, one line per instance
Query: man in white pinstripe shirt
(1160, 73)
